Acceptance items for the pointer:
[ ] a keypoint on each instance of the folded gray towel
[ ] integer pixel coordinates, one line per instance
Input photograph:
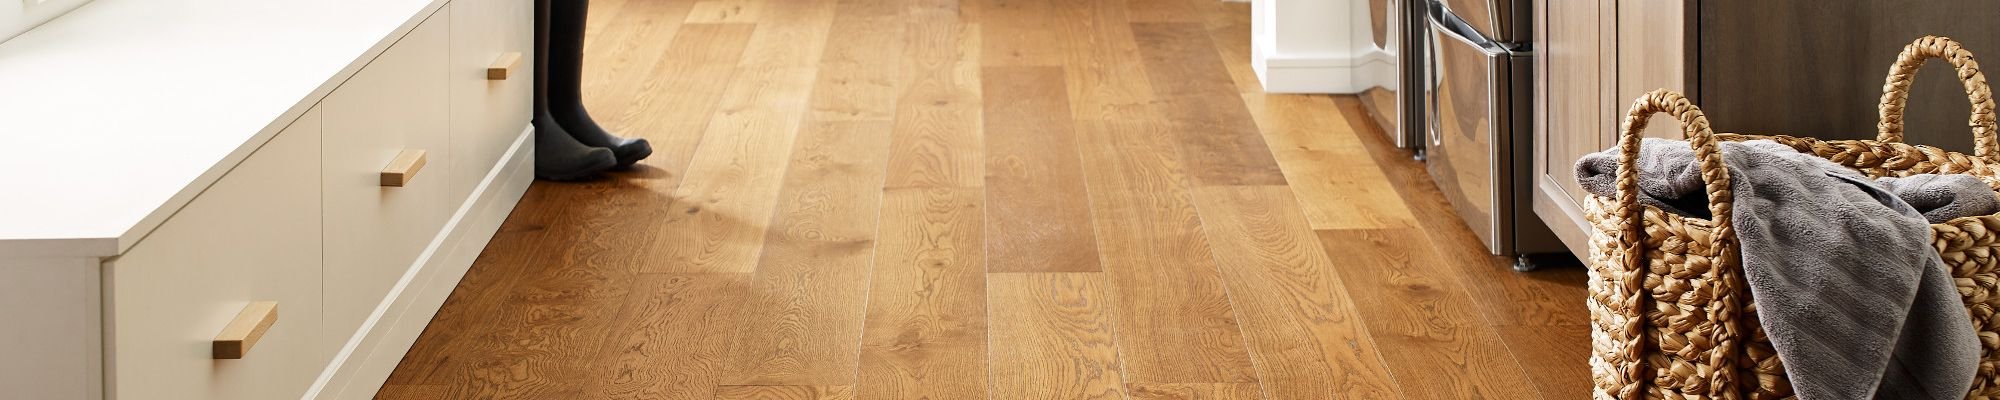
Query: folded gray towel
(1944, 197)
(1846, 284)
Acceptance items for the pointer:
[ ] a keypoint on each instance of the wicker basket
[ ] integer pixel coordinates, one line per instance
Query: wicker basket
(1671, 314)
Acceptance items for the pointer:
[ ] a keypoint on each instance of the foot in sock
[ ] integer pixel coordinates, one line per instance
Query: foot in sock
(560, 157)
(565, 81)
(579, 125)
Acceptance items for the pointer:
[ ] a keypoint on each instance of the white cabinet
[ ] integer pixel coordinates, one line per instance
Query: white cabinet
(253, 236)
(397, 103)
(488, 109)
(275, 188)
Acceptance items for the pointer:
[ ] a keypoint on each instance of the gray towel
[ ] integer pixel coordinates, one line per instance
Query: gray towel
(1944, 197)
(1847, 286)
(1673, 181)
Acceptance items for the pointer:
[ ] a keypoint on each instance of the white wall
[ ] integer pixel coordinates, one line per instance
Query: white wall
(1317, 46)
(18, 16)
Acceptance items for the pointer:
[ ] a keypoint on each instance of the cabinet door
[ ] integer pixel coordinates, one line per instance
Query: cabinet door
(1573, 106)
(374, 233)
(252, 236)
(488, 111)
(1652, 54)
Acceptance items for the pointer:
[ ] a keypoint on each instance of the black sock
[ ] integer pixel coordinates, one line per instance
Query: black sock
(558, 155)
(565, 94)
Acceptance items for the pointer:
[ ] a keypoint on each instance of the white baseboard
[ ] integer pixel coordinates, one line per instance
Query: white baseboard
(359, 370)
(1326, 74)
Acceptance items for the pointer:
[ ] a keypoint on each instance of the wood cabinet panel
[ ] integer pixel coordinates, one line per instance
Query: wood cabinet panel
(1652, 53)
(1595, 57)
(1815, 68)
(1573, 114)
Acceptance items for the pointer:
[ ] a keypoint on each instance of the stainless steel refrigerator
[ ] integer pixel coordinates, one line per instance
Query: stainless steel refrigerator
(1399, 29)
(1475, 120)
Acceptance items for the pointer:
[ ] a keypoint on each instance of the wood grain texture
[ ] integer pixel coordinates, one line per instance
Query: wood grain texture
(1550, 356)
(1549, 300)
(1546, 298)
(601, 14)
(1164, 10)
(503, 66)
(860, 72)
(1430, 333)
(678, 89)
(1194, 391)
(670, 338)
(1326, 166)
(1229, 28)
(473, 307)
(790, 33)
(404, 168)
(887, 10)
(410, 392)
(725, 200)
(939, 128)
(1102, 62)
(1020, 32)
(615, 58)
(550, 315)
(245, 330)
(1306, 333)
(803, 323)
(968, 11)
(925, 334)
(511, 324)
(723, 11)
(1175, 323)
(1058, 336)
(1577, 113)
(839, 188)
(1040, 210)
(1197, 95)
(784, 393)
(671, 100)
(937, 11)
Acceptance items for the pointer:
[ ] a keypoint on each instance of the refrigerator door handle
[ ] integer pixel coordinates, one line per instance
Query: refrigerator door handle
(1433, 79)
(1444, 20)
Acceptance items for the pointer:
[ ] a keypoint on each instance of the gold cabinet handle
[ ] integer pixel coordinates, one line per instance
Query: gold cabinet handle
(244, 331)
(403, 169)
(503, 65)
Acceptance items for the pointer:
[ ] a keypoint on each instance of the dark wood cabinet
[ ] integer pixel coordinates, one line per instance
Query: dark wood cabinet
(1803, 68)
(1575, 84)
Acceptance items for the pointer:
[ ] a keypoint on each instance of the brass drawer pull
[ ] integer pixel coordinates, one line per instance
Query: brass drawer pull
(503, 66)
(404, 168)
(244, 331)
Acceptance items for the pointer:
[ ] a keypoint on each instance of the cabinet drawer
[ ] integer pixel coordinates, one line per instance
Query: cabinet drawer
(395, 105)
(489, 38)
(252, 236)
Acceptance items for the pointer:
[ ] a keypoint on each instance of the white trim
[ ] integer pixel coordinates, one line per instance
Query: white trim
(360, 368)
(1343, 74)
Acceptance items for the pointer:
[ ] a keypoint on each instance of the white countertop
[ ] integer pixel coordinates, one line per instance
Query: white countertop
(114, 116)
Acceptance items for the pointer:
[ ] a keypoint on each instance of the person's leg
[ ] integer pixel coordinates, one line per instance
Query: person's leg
(566, 25)
(558, 155)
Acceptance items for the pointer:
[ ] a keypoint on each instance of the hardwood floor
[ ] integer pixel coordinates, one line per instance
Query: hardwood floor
(985, 199)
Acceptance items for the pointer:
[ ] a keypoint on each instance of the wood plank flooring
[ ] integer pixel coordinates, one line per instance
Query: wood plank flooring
(985, 199)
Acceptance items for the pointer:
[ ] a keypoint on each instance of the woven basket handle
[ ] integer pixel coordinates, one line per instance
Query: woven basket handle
(1896, 92)
(1694, 126)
